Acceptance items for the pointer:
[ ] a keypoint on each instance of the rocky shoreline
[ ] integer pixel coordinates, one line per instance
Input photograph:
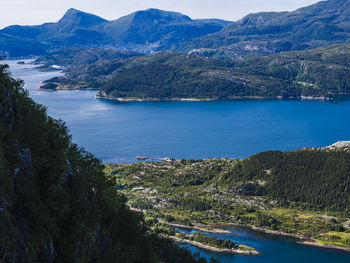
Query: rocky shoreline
(135, 99)
(215, 249)
(200, 228)
(303, 240)
(263, 230)
(218, 230)
(315, 244)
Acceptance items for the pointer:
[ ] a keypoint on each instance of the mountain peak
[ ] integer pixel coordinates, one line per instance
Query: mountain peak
(162, 15)
(77, 17)
(73, 11)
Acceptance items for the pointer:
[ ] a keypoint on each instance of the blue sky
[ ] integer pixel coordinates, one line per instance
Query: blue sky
(29, 12)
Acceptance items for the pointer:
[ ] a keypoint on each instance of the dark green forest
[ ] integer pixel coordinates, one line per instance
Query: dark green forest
(76, 56)
(310, 179)
(56, 203)
(213, 241)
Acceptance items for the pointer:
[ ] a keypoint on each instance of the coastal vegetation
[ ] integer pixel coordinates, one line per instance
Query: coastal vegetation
(199, 238)
(304, 193)
(56, 203)
(313, 74)
(213, 241)
(75, 56)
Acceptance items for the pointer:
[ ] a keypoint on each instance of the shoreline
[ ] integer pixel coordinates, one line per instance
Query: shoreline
(58, 89)
(315, 244)
(199, 228)
(264, 230)
(134, 99)
(218, 230)
(215, 249)
(302, 240)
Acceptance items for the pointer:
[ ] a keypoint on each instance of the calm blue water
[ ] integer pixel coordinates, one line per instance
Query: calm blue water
(117, 132)
(273, 249)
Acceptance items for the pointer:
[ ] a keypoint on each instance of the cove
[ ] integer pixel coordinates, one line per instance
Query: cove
(118, 132)
(273, 248)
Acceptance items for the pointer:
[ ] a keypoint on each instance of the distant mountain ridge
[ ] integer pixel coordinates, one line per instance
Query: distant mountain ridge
(321, 24)
(157, 28)
(143, 31)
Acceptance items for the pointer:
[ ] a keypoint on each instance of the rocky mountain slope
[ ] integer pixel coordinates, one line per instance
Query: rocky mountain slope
(140, 31)
(321, 24)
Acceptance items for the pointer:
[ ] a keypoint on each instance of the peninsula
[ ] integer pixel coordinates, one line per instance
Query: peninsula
(302, 194)
(319, 74)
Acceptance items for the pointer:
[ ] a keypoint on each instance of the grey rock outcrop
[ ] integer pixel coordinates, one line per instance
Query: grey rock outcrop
(338, 146)
(341, 145)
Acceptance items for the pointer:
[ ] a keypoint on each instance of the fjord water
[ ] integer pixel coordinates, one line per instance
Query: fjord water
(273, 248)
(117, 132)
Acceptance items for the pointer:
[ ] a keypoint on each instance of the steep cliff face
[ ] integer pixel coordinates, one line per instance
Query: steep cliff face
(56, 204)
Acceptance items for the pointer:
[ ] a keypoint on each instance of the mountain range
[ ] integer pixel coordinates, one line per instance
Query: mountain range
(320, 24)
(143, 31)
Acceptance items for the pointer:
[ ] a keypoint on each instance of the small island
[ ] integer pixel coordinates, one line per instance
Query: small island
(201, 240)
(215, 245)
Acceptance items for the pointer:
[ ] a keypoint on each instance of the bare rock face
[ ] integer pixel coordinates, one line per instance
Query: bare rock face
(338, 146)
(347, 224)
(3, 204)
(341, 145)
(69, 173)
(25, 157)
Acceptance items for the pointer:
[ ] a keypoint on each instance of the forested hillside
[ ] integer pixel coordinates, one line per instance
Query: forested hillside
(311, 179)
(304, 193)
(312, 74)
(56, 204)
(75, 56)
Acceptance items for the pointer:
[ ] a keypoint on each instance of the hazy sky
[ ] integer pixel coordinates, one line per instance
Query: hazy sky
(29, 12)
